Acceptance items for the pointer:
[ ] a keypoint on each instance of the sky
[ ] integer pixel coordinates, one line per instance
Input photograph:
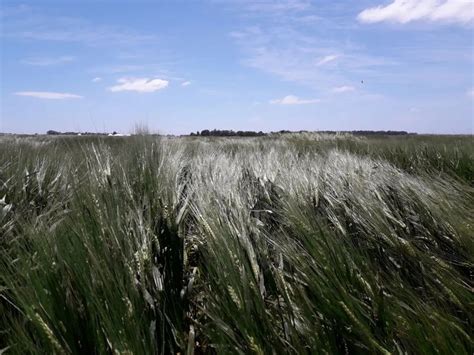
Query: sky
(182, 66)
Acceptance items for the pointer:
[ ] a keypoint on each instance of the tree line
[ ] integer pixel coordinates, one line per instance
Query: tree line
(231, 133)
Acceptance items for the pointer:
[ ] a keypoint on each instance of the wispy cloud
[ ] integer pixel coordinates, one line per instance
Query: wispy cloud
(290, 53)
(404, 11)
(293, 100)
(30, 24)
(14, 10)
(470, 93)
(327, 59)
(273, 6)
(96, 79)
(343, 89)
(141, 85)
(44, 61)
(186, 83)
(270, 7)
(93, 36)
(118, 68)
(48, 95)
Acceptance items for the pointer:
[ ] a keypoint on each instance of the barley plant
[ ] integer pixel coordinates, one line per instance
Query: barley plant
(299, 244)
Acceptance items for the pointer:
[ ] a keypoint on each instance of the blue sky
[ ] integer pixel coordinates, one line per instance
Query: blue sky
(182, 66)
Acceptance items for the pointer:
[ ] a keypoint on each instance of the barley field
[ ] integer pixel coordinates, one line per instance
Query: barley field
(283, 244)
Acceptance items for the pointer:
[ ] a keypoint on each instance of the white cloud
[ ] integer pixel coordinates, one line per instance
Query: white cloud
(293, 100)
(186, 83)
(343, 89)
(404, 11)
(47, 61)
(48, 95)
(471, 93)
(327, 59)
(96, 80)
(139, 85)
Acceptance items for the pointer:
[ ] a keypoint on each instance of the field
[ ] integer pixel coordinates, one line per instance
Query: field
(295, 243)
